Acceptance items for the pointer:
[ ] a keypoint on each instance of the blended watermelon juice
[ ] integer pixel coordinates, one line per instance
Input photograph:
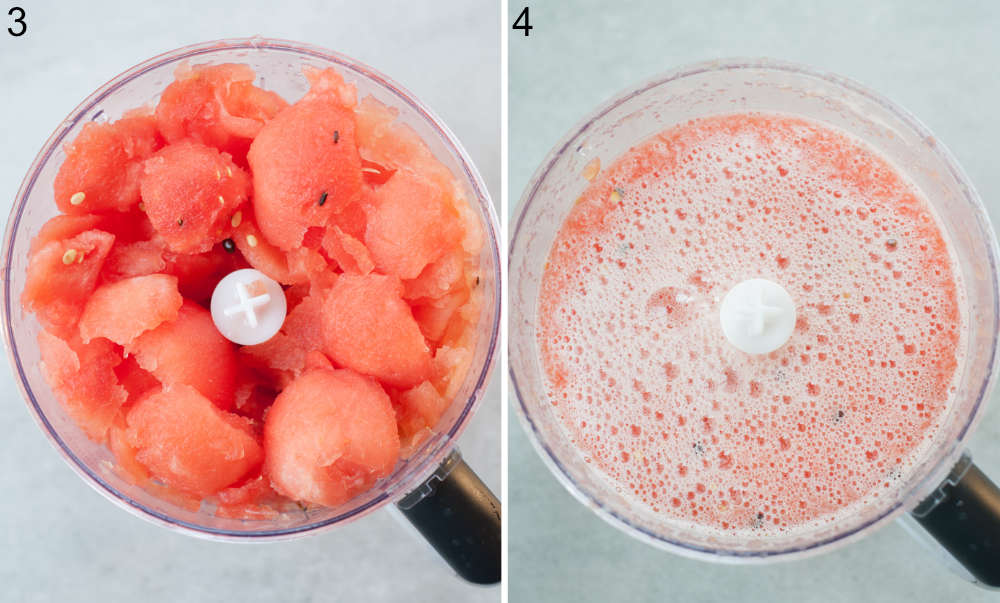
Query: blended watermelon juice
(684, 424)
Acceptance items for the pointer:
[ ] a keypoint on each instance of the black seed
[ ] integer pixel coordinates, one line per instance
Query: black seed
(336, 136)
(322, 199)
(228, 245)
(180, 221)
(477, 281)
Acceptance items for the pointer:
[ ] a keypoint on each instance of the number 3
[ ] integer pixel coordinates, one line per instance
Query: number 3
(19, 20)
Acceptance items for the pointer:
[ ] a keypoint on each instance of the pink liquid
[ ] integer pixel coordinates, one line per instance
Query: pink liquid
(646, 384)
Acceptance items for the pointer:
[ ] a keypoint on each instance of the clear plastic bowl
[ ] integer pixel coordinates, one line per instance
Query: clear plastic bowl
(735, 86)
(278, 64)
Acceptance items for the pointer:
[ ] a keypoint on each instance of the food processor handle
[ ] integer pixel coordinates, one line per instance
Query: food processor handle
(963, 515)
(459, 516)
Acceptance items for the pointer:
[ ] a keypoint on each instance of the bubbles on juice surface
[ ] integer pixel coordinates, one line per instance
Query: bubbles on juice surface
(645, 382)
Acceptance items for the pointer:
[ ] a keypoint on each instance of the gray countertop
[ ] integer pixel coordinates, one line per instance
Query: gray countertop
(936, 59)
(65, 542)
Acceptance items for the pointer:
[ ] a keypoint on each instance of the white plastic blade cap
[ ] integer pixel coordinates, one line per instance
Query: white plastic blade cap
(757, 316)
(248, 307)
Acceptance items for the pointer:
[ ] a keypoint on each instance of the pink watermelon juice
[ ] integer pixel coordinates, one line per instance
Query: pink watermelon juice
(348, 209)
(683, 423)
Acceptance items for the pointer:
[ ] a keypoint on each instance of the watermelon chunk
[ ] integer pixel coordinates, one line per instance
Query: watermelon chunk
(368, 327)
(188, 443)
(410, 224)
(168, 352)
(438, 278)
(298, 266)
(305, 165)
(329, 436)
(301, 333)
(217, 105)
(133, 259)
(135, 379)
(396, 146)
(102, 167)
(125, 462)
(250, 499)
(62, 275)
(127, 227)
(419, 408)
(63, 227)
(82, 378)
(191, 192)
(125, 309)
(198, 274)
(435, 315)
(450, 368)
(350, 254)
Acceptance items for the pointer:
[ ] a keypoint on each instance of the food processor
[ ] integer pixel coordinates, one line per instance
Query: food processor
(944, 492)
(432, 487)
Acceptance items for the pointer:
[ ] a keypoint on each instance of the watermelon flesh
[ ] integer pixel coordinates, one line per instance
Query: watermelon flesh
(82, 377)
(305, 164)
(349, 210)
(102, 167)
(410, 224)
(191, 192)
(329, 436)
(166, 353)
(188, 443)
(125, 309)
(368, 327)
(61, 275)
(217, 105)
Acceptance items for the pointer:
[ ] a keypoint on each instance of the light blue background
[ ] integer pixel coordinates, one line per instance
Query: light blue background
(62, 541)
(938, 59)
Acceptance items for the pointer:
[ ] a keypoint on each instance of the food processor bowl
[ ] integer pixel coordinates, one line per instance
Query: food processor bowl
(278, 65)
(741, 86)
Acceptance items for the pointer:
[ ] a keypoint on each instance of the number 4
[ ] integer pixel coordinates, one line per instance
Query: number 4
(522, 22)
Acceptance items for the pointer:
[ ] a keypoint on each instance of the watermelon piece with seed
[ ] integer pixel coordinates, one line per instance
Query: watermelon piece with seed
(82, 378)
(188, 443)
(61, 276)
(368, 327)
(329, 436)
(305, 164)
(103, 165)
(191, 192)
(198, 274)
(63, 227)
(393, 146)
(123, 310)
(189, 350)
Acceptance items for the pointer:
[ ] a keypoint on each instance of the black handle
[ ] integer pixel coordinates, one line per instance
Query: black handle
(460, 518)
(963, 514)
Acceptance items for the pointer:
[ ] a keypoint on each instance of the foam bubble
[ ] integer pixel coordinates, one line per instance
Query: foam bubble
(645, 382)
